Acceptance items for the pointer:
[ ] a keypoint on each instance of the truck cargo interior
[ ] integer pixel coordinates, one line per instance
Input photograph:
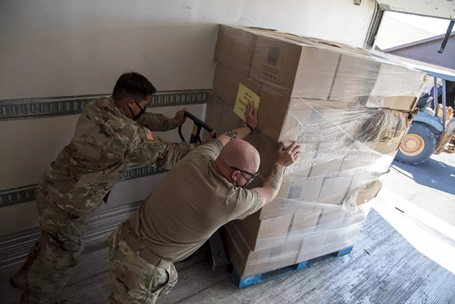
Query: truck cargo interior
(364, 213)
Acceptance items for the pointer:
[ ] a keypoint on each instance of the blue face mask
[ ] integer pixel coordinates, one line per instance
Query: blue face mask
(142, 111)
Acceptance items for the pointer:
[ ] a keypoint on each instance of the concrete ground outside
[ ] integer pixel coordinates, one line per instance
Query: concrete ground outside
(419, 202)
(430, 185)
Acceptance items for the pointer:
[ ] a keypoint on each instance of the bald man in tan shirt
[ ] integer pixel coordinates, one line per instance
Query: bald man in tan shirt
(200, 194)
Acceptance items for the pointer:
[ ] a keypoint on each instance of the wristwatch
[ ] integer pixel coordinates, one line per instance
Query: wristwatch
(249, 127)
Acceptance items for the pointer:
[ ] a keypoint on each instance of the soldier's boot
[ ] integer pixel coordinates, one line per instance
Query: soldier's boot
(19, 279)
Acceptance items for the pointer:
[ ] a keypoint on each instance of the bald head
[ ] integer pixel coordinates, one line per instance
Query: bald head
(240, 154)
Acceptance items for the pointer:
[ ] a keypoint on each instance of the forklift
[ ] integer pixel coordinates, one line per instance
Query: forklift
(429, 132)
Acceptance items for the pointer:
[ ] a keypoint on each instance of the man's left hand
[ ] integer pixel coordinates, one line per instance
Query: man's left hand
(180, 117)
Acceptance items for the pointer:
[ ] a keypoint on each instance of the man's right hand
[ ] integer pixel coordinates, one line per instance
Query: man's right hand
(251, 115)
(251, 118)
(287, 156)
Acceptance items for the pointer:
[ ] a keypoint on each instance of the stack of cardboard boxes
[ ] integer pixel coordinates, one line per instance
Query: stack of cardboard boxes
(346, 107)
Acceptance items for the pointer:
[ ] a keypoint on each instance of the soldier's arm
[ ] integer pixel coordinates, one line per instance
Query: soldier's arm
(156, 122)
(162, 155)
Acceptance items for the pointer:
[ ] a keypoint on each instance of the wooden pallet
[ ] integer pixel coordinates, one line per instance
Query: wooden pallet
(246, 281)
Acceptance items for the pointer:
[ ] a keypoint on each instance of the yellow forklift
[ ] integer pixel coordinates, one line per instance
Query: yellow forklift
(430, 131)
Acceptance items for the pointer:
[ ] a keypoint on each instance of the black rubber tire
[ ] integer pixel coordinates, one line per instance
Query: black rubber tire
(430, 145)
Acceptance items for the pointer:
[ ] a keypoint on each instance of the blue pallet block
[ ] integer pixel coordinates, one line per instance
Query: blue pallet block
(246, 281)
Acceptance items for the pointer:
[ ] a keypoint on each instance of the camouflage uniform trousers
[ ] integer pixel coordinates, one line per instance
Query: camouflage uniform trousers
(134, 280)
(55, 253)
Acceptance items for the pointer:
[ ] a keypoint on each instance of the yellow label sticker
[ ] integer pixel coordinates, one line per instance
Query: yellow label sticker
(149, 135)
(244, 97)
(194, 130)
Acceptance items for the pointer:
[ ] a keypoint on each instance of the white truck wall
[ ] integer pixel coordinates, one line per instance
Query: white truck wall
(79, 47)
(72, 47)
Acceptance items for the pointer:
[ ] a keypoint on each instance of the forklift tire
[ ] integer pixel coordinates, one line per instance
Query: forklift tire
(417, 145)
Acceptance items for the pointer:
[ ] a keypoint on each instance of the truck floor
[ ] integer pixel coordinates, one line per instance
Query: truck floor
(382, 268)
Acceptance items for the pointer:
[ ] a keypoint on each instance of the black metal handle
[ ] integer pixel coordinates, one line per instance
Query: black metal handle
(198, 124)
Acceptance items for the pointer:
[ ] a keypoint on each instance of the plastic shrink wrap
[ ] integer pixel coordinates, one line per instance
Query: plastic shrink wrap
(348, 108)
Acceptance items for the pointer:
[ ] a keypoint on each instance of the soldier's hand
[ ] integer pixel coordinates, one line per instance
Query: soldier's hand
(211, 137)
(180, 117)
(251, 115)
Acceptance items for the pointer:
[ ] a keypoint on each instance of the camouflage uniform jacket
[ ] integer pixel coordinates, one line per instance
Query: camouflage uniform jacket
(105, 141)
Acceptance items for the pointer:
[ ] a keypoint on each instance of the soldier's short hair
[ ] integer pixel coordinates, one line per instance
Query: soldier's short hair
(133, 85)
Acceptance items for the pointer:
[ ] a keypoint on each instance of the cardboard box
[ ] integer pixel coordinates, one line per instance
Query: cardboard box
(272, 112)
(285, 206)
(213, 112)
(396, 126)
(328, 241)
(294, 68)
(229, 120)
(377, 83)
(318, 69)
(332, 99)
(306, 190)
(331, 218)
(226, 84)
(221, 117)
(402, 103)
(343, 47)
(299, 119)
(355, 217)
(301, 168)
(388, 130)
(302, 225)
(334, 190)
(368, 193)
(301, 199)
(267, 148)
(360, 162)
(397, 87)
(284, 118)
(326, 168)
(263, 234)
(247, 262)
(340, 238)
(311, 246)
(360, 181)
(355, 77)
(304, 194)
(224, 43)
(235, 47)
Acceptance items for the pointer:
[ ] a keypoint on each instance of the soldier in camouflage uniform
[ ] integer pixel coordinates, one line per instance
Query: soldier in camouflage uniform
(110, 134)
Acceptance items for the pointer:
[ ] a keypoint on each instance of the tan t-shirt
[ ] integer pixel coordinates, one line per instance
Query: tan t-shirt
(191, 203)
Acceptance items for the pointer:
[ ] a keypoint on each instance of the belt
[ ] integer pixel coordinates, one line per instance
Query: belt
(139, 248)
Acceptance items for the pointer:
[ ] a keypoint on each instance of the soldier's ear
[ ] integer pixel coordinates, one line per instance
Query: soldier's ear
(130, 101)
